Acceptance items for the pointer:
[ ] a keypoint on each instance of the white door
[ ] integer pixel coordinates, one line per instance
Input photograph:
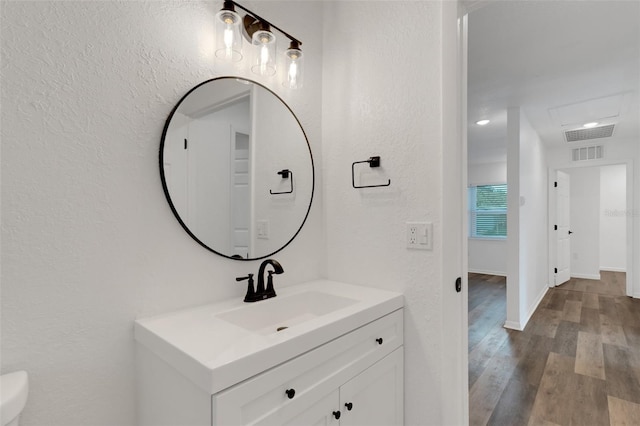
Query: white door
(561, 228)
(240, 194)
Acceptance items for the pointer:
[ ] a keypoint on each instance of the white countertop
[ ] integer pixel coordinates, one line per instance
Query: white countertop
(216, 354)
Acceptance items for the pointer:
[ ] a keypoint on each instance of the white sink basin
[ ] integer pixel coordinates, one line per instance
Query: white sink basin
(218, 345)
(277, 314)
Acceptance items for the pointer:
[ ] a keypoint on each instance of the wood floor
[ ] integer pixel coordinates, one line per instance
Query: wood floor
(576, 363)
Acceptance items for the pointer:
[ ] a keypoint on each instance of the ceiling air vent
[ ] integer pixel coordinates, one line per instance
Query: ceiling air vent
(587, 153)
(585, 134)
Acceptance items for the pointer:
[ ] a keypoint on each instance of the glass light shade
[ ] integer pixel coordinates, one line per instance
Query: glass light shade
(228, 36)
(264, 51)
(294, 61)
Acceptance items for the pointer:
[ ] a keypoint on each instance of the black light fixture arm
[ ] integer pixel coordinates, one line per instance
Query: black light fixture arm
(261, 19)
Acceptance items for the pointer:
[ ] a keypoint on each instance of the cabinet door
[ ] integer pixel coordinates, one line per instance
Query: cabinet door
(319, 413)
(375, 396)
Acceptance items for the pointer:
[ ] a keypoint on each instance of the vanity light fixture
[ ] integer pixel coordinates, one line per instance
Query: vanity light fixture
(482, 122)
(264, 51)
(294, 61)
(259, 32)
(228, 40)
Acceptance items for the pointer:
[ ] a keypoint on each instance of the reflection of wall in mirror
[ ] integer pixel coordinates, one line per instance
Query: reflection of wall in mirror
(278, 144)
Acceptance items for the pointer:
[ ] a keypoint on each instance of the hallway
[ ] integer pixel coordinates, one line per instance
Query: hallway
(577, 361)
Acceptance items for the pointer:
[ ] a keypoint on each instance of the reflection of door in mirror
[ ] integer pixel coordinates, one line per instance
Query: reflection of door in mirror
(240, 195)
(212, 145)
(199, 164)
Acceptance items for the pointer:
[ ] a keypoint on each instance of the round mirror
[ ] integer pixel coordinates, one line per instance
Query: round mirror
(237, 168)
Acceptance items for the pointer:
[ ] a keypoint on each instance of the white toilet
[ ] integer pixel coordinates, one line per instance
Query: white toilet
(14, 389)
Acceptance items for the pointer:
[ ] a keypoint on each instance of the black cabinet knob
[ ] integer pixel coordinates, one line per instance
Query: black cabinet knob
(290, 393)
(336, 414)
(349, 406)
(379, 340)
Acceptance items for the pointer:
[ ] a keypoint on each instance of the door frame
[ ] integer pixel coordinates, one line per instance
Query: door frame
(455, 360)
(630, 243)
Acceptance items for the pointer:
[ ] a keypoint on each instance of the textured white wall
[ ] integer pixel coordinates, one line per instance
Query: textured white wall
(382, 94)
(613, 218)
(88, 241)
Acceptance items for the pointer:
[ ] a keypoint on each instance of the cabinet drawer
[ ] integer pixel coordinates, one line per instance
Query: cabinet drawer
(311, 376)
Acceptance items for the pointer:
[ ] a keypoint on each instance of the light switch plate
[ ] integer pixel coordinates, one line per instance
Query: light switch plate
(262, 228)
(419, 235)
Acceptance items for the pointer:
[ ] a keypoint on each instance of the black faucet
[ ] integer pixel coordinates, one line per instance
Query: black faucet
(261, 292)
(277, 269)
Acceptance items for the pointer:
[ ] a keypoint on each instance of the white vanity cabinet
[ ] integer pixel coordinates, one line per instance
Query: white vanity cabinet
(363, 368)
(374, 397)
(344, 367)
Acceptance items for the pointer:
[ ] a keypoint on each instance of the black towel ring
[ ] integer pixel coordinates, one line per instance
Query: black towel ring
(285, 175)
(373, 162)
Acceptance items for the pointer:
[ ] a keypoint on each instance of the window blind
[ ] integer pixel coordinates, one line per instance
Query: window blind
(488, 211)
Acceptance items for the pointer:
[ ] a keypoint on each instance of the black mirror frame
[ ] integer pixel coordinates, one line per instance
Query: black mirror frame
(166, 189)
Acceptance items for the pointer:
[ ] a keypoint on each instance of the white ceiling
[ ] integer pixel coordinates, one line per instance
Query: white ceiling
(562, 62)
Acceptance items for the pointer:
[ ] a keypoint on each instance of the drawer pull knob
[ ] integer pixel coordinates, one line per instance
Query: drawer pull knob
(290, 393)
(349, 406)
(336, 414)
(379, 340)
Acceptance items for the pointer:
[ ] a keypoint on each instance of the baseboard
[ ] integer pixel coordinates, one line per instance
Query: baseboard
(612, 269)
(586, 276)
(485, 272)
(535, 305)
(513, 325)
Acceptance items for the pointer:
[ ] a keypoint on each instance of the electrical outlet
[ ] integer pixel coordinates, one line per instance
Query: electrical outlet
(412, 234)
(419, 235)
